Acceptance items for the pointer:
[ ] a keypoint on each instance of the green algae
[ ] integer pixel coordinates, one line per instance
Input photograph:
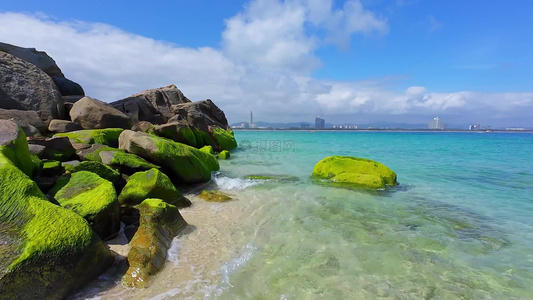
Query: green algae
(99, 169)
(127, 162)
(159, 223)
(224, 138)
(108, 136)
(176, 132)
(151, 184)
(17, 152)
(93, 198)
(207, 149)
(214, 196)
(188, 163)
(224, 154)
(354, 172)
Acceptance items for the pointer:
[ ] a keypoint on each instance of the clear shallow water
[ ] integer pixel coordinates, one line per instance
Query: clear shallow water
(459, 226)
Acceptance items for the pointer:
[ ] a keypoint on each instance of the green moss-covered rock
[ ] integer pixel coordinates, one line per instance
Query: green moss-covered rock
(214, 196)
(46, 251)
(108, 136)
(207, 149)
(93, 152)
(159, 223)
(14, 148)
(125, 162)
(93, 198)
(224, 138)
(151, 184)
(176, 131)
(99, 169)
(185, 162)
(224, 154)
(354, 172)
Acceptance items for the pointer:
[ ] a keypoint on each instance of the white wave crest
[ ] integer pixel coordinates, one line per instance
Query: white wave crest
(227, 183)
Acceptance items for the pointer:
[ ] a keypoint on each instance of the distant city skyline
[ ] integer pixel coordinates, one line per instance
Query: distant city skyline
(370, 61)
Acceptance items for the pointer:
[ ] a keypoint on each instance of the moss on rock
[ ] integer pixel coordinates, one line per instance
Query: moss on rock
(93, 198)
(151, 184)
(224, 154)
(159, 223)
(51, 250)
(185, 162)
(224, 138)
(354, 172)
(14, 148)
(108, 136)
(125, 162)
(52, 168)
(99, 169)
(214, 196)
(207, 149)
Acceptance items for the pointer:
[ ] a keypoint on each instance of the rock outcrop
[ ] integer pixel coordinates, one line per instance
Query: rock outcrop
(188, 164)
(354, 172)
(23, 118)
(48, 65)
(94, 114)
(23, 86)
(46, 251)
(162, 99)
(108, 136)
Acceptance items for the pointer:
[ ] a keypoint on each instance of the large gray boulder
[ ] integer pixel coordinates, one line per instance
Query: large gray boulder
(62, 126)
(200, 114)
(38, 58)
(139, 109)
(47, 64)
(94, 114)
(23, 86)
(162, 99)
(23, 118)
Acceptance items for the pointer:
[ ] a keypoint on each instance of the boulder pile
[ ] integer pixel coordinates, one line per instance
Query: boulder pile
(72, 168)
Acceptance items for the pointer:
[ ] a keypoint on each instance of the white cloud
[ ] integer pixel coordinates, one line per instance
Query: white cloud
(264, 66)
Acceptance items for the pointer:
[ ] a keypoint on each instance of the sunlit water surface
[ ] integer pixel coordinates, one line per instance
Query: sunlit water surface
(459, 225)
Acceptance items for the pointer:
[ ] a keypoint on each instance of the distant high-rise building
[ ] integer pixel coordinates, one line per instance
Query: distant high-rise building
(251, 119)
(319, 123)
(474, 127)
(436, 123)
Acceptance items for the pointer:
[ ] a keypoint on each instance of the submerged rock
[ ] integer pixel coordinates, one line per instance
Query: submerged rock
(151, 184)
(159, 223)
(46, 251)
(93, 198)
(214, 196)
(354, 172)
(189, 164)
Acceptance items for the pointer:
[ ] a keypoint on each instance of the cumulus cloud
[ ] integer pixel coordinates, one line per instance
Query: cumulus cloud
(264, 64)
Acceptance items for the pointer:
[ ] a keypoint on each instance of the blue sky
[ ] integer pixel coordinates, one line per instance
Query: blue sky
(348, 61)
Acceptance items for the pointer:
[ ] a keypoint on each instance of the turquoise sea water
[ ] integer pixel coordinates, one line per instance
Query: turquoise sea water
(459, 225)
